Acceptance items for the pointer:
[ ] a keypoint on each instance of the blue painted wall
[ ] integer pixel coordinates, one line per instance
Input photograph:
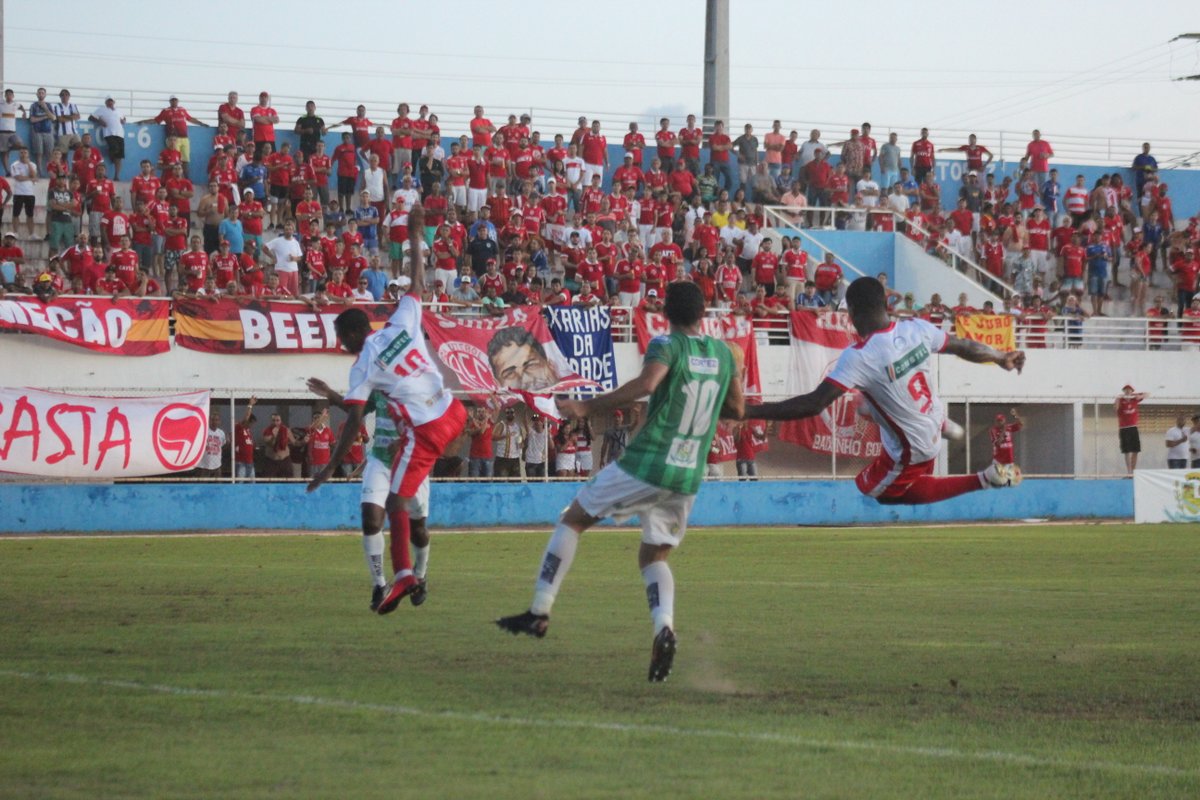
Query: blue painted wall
(145, 141)
(30, 508)
(871, 252)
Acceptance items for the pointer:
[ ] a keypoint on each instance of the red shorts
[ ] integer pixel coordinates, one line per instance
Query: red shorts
(883, 477)
(424, 445)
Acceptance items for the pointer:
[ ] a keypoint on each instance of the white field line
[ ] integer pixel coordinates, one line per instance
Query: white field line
(482, 718)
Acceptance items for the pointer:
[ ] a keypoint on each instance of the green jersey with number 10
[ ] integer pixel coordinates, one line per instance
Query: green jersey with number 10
(671, 449)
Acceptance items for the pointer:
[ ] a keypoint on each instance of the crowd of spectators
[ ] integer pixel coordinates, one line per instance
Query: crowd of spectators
(512, 219)
(513, 443)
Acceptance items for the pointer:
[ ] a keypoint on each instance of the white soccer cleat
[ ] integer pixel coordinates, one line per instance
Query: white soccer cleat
(1001, 476)
(952, 430)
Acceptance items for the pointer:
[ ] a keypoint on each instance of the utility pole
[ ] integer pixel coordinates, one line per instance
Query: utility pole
(716, 62)
(1, 44)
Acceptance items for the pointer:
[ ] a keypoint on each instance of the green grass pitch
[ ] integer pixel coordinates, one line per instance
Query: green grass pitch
(1005, 662)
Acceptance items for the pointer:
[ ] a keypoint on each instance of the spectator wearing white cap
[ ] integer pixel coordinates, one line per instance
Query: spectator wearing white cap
(464, 293)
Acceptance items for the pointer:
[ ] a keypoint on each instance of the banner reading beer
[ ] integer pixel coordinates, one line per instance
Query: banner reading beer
(994, 330)
(127, 326)
(817, 340)
(584, 336)
(264, 326)
(494, 357)
(729, 328)
(72, 436)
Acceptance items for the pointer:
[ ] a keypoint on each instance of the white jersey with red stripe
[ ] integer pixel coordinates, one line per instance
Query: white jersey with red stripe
(891, 368)
(396, 361)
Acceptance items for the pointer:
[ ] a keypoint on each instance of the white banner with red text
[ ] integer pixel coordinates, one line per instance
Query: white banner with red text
(56, 435)
(817, 340)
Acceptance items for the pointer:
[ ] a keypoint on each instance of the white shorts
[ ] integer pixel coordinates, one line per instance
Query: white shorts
(446, 276)
(376, 480)
(458, 195)
(615, 493)
(589, 170)
(583, 461)
(629, 298)
(476, 199)
(564, 462)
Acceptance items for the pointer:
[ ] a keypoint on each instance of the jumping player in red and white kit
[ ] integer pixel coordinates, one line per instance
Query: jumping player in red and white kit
(891, 369)
(1002, 437)
(396, 362)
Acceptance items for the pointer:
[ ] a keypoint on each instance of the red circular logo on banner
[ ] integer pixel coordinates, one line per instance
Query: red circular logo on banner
(180, 433)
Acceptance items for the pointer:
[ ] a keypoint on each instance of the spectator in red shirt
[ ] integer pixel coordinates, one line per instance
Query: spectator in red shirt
(263, 119)
(1038, 153)
(922, 156)
(828, 279)
(1126, 406)
(175, 119)
(480, 426)
(719, 145)
(243, 444)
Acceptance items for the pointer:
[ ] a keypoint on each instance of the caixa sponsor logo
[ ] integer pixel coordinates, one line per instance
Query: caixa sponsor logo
(180, 432)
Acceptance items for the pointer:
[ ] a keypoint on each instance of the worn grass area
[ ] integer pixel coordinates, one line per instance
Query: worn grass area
(1055, 661)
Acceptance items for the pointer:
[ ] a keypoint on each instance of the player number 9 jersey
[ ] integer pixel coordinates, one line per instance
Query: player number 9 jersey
(892, 369)
(671, 450)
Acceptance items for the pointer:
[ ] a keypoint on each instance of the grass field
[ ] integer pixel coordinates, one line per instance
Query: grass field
(1006, 662)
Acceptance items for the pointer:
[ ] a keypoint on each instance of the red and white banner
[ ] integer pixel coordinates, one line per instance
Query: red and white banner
(127, 326)
(724, 444)
(817, 341)
(264, 326)
(730, 328)
(495, 358)
(72, 436)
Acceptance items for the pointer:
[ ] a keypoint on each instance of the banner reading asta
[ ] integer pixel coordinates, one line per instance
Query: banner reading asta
(127, 326)
(492, 355)
(264, 326)
(72, 436)
(584, 336)
(817, 340)
(729, 328)
(994, 330)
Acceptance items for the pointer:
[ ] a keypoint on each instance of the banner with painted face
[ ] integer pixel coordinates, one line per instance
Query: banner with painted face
(127, 326)
(493, 358)
(73, 436)
(817, 340)
(584, 336)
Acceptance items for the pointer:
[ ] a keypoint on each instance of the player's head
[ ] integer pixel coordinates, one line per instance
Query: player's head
(519, 361)
(867, 303)
(353, 327)
(684, 305)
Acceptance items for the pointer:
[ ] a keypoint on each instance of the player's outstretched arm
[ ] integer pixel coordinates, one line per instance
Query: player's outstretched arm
(735, 399)
(979, 353)
(799, 407)
(416, 244)
(625, 394)
(354, 416)
(322, 389)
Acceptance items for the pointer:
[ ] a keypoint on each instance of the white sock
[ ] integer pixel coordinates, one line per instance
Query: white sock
(560, 552)
(660, 594)
(420, 560)
(373, 550)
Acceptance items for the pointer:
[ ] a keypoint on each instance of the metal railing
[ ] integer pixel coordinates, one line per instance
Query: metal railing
(1007, 146)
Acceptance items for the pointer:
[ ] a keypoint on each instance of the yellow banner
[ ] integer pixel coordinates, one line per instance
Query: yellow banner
(994, 330)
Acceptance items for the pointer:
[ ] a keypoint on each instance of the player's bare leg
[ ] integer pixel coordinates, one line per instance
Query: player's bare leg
(556, 561)
(660, 596)
(372, 528)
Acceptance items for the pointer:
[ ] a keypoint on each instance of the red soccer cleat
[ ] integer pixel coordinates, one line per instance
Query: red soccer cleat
(398, 591)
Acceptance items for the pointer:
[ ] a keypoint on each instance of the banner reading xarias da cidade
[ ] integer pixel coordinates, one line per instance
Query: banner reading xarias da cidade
(584, 337)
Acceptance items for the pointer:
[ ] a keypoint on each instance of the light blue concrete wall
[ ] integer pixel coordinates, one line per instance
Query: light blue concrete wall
(870, 252)
(30, 508)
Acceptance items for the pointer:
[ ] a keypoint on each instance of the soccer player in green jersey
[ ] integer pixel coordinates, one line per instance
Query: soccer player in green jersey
(691, 380)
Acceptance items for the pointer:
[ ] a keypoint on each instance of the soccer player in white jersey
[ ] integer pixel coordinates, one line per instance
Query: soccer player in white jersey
(376, 480)
(891, 369)
(396, 362)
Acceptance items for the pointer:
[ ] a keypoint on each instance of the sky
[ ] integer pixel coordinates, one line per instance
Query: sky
(1101, 69)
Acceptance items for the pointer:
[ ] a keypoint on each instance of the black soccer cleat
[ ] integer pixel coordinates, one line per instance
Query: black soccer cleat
(528, 623)
(377, 597)
(420, 593)
(662, 655)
